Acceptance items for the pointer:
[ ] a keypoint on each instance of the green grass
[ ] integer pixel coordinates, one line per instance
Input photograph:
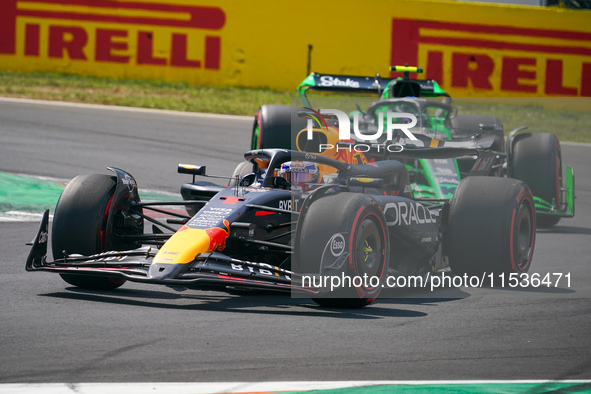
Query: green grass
(568, 118)
(542, 116)
(138, 93)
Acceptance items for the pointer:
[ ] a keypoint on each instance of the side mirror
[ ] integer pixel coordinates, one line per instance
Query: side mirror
(487, 126)
(191, 169)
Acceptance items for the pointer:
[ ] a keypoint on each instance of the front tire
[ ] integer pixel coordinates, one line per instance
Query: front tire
(536, 160)
(241, 170)
(491, 227)
(80, 226)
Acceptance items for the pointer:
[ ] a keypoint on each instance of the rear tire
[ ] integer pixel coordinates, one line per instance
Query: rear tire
(354, 244)
(491, 227)
(467, 124)
(537, 161)
(80, 226)
(272, 127)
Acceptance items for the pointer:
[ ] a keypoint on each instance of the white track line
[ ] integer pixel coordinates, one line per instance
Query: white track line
(164, 112)
(21, 216)
(235, 387)
(568, 143)
(122, 108)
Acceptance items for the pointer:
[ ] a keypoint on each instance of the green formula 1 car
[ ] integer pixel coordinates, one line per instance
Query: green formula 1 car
(534, 158)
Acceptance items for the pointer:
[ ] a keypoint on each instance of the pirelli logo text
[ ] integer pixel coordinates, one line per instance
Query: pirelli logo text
(496, 60)
(112, 31)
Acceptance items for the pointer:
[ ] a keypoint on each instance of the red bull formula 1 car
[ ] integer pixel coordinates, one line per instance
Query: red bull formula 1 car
(287, 218)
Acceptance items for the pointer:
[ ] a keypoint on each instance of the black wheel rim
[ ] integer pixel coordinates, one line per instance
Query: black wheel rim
(369, 248)
(523, 236)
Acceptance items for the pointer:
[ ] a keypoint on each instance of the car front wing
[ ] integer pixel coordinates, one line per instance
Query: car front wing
(207, 270)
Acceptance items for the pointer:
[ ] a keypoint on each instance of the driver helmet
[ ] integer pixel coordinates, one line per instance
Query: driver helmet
(300, 172)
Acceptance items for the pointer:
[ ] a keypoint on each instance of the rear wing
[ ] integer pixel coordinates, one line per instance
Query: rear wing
(377, 85)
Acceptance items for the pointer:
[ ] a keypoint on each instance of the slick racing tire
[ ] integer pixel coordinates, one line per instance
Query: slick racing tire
(240, 172)
(491, 227)
(467, 124)
(272, 127)
(536, 160)
(80, 226)
(344, 235)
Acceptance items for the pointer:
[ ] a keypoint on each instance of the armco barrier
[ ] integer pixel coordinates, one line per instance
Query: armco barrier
(471, 49)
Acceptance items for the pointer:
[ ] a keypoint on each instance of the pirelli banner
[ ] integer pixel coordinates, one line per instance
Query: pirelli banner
(470, 49)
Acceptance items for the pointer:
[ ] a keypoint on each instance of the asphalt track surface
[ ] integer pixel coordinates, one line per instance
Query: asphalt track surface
(52, 332)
